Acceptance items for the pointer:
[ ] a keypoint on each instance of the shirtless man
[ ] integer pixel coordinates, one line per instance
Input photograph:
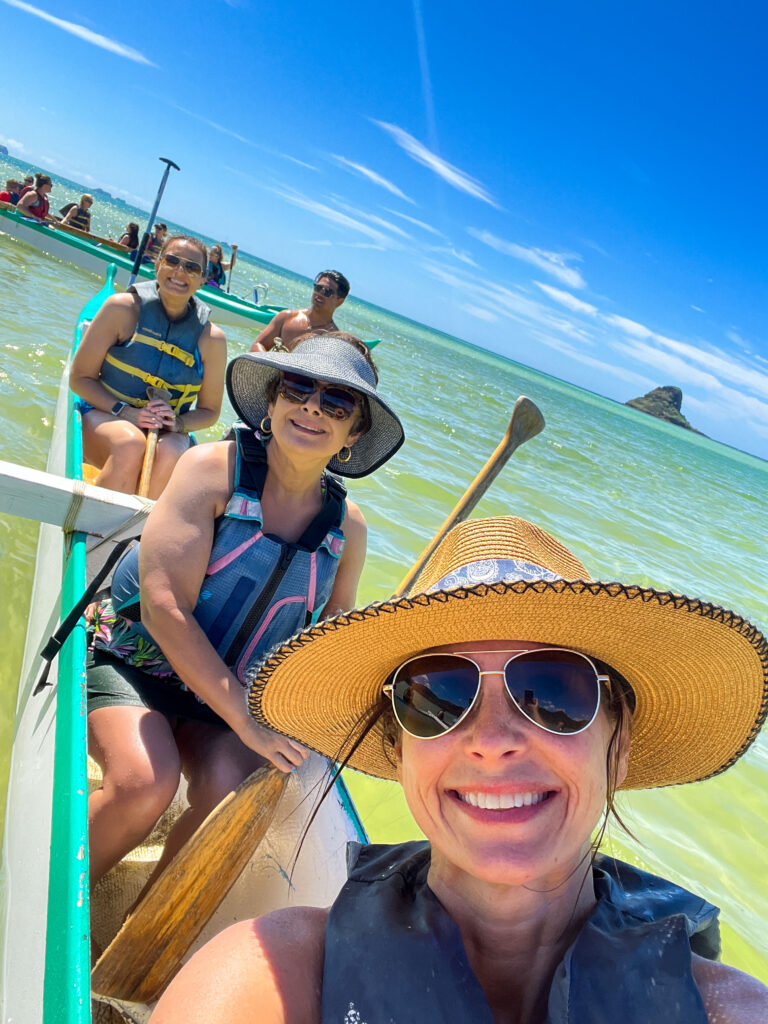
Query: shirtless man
(330, 290)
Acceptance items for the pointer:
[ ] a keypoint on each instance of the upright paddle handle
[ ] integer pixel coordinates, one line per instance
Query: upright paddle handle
(149, 452)
(526, 422)
(145, 239)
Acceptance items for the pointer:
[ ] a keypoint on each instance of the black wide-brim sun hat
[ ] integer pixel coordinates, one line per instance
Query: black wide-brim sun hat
(327, 359)
(698, 672)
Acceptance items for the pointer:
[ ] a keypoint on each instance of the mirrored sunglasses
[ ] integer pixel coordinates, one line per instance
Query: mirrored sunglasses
(556, 689)
(190, 266)
(336, 402)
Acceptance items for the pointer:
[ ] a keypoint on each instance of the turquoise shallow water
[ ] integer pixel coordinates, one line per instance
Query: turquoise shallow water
(634, 498)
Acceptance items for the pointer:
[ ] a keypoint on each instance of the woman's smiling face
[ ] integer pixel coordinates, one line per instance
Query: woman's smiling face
(463, 787)
(305, 427)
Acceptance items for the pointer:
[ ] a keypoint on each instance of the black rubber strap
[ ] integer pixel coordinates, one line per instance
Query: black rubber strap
(54, 643)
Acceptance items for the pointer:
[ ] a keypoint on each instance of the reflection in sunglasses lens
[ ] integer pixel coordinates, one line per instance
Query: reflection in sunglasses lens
(558, 691)
(433, 693)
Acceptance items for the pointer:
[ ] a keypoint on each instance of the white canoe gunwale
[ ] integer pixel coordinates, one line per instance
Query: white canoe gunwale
(47, 902)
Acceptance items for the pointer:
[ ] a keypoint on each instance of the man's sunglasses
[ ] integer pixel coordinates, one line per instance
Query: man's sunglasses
(555, 688)
(325, 290)
(190, 266)
(338, 403)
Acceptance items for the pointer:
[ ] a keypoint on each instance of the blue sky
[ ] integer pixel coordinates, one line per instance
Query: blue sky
(579, 187)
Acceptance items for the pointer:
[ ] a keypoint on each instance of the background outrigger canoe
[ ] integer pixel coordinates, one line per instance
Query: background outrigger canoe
(95, 254)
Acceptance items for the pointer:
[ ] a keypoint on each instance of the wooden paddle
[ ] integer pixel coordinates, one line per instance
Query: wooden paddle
(526, 422)
(152, 435)
(147, 951)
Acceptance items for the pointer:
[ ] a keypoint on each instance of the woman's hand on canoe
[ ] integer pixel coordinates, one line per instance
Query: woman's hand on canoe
(284, 753)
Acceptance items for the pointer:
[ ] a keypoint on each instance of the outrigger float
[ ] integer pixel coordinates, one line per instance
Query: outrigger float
(258, 841)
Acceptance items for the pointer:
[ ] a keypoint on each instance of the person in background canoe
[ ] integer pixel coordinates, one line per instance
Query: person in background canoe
(330, 290)
(155, 244)
(217, 268)
(130, 237)
(11, 192)
(251, 539)
(79, 215)
(511, 700)
(156, 333)
(33, 202)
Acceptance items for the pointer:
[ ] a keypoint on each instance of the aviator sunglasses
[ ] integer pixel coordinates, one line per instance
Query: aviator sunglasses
(190, 266)
(555, 688)
(338, 403)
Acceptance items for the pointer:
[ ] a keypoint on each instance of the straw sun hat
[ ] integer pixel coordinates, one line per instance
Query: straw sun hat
(699, 672)
(334, 361)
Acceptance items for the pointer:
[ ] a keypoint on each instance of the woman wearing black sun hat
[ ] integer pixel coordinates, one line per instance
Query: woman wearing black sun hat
(252, 539)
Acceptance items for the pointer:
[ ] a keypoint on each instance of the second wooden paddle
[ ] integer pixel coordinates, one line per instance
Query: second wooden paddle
(149, 451)
(526, 422)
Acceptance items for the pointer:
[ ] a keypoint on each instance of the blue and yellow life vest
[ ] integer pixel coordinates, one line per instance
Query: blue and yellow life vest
(163, 353)
(393, 955)
(258, 590)
(81, 220)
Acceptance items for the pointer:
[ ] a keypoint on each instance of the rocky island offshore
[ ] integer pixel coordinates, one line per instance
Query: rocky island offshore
(665, 404)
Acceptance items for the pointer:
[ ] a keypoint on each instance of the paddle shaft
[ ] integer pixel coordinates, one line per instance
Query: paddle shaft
(142, 247)
(526, 422)
(151, 448)
(231, 268)
(147, 951)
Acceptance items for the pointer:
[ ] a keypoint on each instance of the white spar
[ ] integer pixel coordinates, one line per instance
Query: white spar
(70, 504)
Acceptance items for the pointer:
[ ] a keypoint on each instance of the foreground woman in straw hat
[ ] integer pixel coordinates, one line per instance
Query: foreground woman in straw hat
(251, 540)
(511, 703)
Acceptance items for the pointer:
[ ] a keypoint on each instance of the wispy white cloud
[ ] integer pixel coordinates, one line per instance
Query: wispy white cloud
(450, 251)
(372, 217)
(553, 263)
(715, 364)
(12, 145)
(698, 309)
(452, 175)
(214, 124)
(505, 302)
(86, 34)
(293, 159)
(337, 217)
(571, 302)
(418, 223)
(366, 172)
(642, 384)
(479, 313)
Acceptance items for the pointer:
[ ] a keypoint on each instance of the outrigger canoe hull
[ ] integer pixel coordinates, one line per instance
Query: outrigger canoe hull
(48, 908)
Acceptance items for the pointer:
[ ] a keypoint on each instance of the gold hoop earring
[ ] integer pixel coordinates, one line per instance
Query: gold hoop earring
(265, 427)
(345, 454)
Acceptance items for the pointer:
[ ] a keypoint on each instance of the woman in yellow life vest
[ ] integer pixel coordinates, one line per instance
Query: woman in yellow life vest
(157, 334)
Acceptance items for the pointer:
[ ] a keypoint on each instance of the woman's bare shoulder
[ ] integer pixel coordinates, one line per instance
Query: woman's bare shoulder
(268, 970)
(730, 996)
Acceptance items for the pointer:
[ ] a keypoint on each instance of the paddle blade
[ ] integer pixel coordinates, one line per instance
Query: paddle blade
(527, 421)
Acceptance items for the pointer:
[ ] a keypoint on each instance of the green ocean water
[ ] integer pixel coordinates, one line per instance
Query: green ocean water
(634, 498)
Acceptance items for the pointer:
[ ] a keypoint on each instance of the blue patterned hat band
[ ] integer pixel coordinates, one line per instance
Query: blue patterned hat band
(493, 570)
